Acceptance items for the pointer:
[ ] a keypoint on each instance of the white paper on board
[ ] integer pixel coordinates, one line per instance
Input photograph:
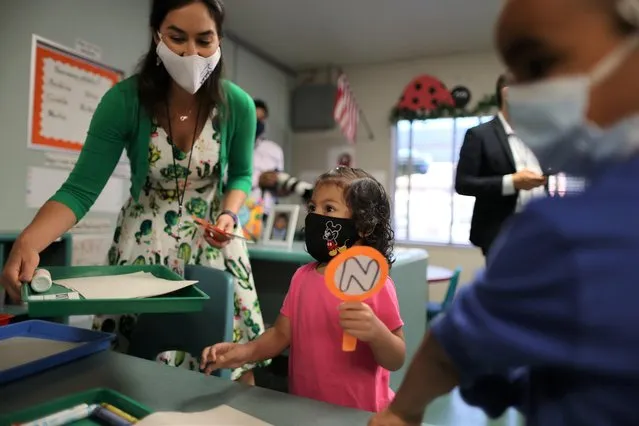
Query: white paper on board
(222, 415)
(64, 160)
(90, 249)
(43, 182)
(127, 286)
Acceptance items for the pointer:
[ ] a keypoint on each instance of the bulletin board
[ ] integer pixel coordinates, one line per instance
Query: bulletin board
(65, 90)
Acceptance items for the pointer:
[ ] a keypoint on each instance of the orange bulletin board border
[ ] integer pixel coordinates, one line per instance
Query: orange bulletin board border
(44, 49)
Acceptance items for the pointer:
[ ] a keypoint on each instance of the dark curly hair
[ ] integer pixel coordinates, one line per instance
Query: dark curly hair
(369, 204)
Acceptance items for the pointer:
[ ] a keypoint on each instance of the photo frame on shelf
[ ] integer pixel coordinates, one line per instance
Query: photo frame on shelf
(281, 225)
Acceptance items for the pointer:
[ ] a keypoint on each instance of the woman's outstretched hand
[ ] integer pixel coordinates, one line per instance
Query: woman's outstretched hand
(19, 268)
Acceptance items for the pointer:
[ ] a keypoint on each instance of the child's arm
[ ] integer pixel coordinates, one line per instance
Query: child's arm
(272, 342)
(389, 348)
(232, 355)
(378, 323)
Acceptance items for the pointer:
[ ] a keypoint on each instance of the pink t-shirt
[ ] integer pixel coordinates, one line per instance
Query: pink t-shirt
(318, 368)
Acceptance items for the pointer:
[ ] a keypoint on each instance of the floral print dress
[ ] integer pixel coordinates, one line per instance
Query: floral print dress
(150, 231)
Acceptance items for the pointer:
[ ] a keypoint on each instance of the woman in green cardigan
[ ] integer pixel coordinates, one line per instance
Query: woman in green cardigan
(183, 129)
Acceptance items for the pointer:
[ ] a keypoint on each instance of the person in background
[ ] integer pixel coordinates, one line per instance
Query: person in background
(184, 129)
(269, 179)
(498, 170)
(352, 207)
(537, 329)
(268, 159)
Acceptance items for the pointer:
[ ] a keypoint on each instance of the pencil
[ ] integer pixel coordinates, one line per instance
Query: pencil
(117, 411)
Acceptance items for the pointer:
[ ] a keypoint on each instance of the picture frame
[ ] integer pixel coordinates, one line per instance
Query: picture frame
(281, 225)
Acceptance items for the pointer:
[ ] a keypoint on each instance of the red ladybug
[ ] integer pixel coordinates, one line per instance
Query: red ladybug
(425, 93)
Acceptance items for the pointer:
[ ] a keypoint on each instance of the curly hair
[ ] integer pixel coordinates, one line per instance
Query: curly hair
(369, 204)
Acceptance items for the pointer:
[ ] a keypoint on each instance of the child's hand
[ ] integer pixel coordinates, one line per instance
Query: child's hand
(224, 355)
(359, 320)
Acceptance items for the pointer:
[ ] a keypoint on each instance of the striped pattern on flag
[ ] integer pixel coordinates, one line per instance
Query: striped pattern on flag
(346, 112)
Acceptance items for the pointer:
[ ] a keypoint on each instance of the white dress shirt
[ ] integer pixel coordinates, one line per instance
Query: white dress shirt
(267, 156)
(524, 159)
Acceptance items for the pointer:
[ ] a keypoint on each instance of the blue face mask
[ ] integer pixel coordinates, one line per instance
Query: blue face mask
(550, 117)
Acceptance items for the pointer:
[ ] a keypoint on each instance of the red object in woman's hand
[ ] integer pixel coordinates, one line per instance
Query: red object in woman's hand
(217, 233)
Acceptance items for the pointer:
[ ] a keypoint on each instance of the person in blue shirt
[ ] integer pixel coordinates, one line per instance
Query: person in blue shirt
(551, 326)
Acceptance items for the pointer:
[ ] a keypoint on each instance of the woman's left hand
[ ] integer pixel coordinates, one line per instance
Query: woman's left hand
(226, 224)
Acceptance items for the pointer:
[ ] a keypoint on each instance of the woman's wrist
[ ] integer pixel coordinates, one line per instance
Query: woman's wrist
(231, 214)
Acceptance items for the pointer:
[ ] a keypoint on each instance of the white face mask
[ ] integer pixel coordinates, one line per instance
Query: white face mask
(550, 117)
(189, 72)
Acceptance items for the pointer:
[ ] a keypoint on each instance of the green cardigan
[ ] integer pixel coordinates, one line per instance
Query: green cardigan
(120, 122)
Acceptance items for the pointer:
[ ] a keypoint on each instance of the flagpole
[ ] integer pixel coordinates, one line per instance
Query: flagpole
(367, 126)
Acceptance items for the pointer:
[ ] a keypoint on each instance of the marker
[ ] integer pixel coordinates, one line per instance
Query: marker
(109, 417)
(116, 410)
(74, 295)
(64, 417)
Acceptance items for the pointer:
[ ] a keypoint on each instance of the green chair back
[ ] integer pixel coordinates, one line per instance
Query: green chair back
(190, 332)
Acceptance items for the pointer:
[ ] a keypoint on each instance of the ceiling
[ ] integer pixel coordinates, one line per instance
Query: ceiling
(302, 33)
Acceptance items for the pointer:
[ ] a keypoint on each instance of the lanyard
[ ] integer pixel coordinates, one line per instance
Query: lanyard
(180, 198)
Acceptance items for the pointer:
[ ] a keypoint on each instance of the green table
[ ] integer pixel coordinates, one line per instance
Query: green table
(172, 389)
(175, 389)
(274, 266)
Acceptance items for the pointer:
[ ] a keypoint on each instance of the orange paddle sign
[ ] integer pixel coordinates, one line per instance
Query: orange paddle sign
(354, 276)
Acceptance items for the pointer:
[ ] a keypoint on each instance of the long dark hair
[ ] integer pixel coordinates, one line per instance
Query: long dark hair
(154, 81)
(369, 204)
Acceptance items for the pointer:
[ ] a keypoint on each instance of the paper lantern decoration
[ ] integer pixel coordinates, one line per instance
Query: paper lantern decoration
(425, 93)
(355, 275)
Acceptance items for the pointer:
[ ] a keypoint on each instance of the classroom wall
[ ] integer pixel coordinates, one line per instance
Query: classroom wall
(377, 88)
(119, 28)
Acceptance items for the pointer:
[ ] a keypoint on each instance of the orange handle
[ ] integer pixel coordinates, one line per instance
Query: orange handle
(349, 343)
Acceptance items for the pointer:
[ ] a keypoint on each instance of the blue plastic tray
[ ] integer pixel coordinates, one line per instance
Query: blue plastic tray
(94, 341)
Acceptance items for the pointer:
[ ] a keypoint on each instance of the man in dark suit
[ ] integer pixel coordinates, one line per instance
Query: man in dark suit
(498, 170)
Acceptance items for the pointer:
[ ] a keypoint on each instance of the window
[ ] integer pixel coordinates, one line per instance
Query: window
(426, 208)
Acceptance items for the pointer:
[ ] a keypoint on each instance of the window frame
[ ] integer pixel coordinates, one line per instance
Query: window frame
(455, 146)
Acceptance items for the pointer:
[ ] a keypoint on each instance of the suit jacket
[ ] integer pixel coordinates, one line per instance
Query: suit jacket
(485, 157)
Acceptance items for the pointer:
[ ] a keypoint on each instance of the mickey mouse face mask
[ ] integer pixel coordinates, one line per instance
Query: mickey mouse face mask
(328, 236)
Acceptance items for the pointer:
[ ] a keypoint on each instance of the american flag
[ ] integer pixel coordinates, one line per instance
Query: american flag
(346, 112)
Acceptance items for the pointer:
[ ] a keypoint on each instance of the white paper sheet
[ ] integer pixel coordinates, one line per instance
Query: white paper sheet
(90, 249)
(43, 182)
(128, 286)
(222, 415)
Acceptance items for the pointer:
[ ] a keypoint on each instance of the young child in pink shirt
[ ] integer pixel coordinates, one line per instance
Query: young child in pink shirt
(349, 207)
